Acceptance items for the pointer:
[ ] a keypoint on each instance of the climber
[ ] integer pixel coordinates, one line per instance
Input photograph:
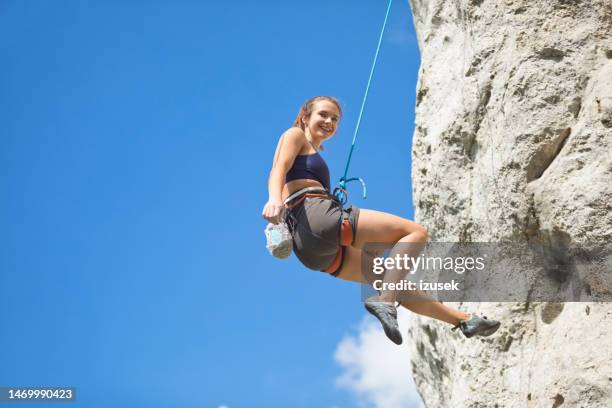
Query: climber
(329, 238)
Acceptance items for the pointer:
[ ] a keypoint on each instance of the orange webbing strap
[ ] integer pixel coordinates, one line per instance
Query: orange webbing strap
(337, 262)
(302, 197)
(346, 233)
(346, 239)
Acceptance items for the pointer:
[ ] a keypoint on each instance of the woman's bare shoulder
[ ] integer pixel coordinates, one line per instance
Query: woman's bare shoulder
(294, 133)
(294, 136)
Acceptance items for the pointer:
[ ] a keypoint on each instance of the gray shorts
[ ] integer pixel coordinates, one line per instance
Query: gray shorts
(316, 224)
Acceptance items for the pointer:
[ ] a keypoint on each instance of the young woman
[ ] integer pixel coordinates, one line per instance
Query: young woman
(329, 238)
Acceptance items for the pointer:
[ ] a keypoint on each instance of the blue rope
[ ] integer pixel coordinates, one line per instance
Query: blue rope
(341, 191)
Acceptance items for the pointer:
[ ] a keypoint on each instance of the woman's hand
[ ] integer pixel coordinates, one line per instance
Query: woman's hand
(273, 211)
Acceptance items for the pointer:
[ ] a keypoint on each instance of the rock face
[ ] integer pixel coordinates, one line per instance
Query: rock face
(513, 141)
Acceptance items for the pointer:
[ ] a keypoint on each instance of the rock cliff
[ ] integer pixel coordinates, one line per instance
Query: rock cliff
(513, 142)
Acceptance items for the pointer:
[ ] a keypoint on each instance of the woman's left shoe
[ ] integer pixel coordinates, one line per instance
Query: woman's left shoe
(478, 326)
(387, 314)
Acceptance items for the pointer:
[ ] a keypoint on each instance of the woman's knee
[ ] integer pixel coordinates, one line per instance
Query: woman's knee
(421, 233)
(416, 232)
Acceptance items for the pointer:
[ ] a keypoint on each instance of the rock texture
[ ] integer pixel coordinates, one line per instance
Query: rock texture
(513, 141)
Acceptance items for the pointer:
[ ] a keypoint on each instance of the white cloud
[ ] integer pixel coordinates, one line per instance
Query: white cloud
(375, 369)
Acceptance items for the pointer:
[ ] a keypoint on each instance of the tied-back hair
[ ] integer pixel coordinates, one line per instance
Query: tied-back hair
(306, 110)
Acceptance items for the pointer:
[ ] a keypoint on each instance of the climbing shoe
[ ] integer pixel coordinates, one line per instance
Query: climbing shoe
(478, 326)
(387, 314)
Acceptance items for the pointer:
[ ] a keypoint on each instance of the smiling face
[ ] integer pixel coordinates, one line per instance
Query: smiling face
(323, 121)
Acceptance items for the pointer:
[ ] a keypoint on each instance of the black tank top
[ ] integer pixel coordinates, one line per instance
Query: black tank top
(311, 167)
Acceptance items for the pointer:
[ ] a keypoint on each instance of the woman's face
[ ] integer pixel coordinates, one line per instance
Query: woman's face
(323, 121)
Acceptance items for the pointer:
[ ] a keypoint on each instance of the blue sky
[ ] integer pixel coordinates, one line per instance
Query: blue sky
(137, 137)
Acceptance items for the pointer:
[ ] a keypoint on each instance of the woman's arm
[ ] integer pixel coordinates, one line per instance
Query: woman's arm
(289, 146)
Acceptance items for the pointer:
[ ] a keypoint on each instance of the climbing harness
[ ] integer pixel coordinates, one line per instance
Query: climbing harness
(341, 191)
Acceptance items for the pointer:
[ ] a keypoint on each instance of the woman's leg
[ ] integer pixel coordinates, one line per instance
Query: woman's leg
(407, 237)
(351, 270)
(436, 310)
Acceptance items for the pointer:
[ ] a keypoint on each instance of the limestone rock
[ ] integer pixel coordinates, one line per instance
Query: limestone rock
(513, 141)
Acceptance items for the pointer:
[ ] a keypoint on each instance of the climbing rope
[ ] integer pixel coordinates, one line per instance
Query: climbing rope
(341, 192)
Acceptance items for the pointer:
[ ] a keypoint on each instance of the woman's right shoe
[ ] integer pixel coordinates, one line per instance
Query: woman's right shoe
(478, 326)
(387, 315)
